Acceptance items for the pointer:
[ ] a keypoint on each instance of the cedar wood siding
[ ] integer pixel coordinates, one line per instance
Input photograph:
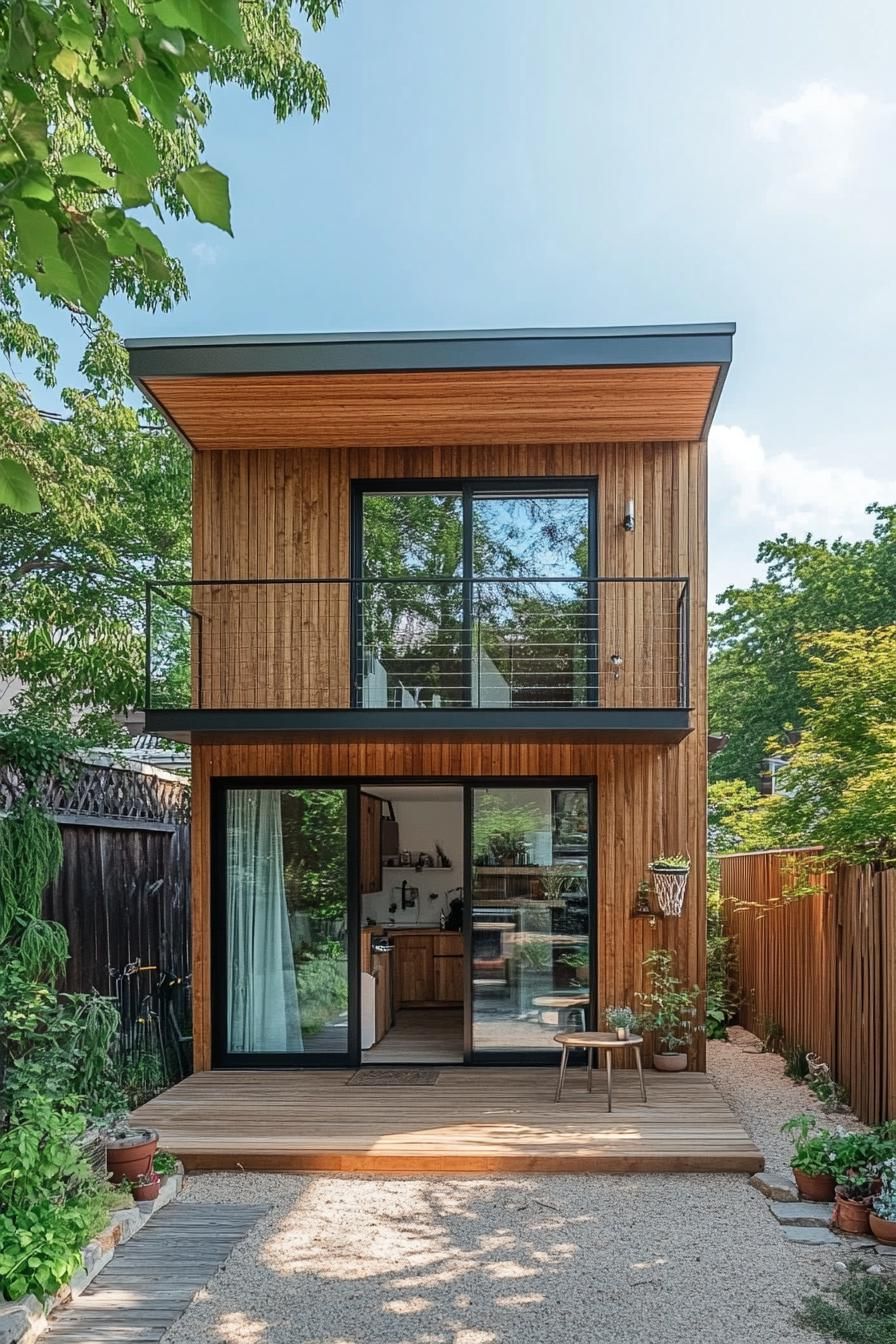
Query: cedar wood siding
(274, 513)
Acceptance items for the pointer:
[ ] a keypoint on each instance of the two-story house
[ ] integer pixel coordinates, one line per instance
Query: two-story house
(442, 665)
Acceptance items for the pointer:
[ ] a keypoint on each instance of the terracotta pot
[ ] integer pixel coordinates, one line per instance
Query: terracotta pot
(670, 1063)
(132, 1155)
(882, 1228)
(148, 1191)
(818, 1189)
(852, 1215)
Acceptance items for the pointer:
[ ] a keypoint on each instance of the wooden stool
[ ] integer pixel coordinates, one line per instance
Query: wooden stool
(607, 1041)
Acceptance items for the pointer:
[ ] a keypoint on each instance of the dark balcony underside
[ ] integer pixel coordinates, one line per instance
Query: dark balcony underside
(594, 724)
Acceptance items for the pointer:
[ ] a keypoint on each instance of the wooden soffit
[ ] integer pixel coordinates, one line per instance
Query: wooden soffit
(554, 387)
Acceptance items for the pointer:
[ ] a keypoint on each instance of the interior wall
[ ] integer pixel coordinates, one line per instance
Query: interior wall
(421, 824)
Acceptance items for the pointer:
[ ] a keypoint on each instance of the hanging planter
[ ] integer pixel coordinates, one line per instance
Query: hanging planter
(670, 879)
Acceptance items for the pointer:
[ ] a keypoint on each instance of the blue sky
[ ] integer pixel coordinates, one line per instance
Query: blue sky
(529, 162)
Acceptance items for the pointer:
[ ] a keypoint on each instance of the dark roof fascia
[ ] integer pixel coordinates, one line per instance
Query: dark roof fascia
(406, 352)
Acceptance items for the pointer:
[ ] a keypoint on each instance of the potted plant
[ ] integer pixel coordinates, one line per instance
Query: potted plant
(164, 1164)
(814, 1158)
(670, 879)
(668, 1009)
(622, 1020)
(882, 1215)
(129, 1152)
(578, 961)
(146, 1188)
(853, 1195)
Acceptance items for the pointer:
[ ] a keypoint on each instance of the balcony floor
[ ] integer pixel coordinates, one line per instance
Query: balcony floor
(470, 1120)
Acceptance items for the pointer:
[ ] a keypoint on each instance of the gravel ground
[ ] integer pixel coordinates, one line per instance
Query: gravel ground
(514, 1260)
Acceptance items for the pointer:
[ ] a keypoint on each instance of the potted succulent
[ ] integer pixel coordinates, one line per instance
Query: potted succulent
(669, 1010)
(853, 1195)
(622, 1020)
(882, 1215)
(670, 874)
(814, 1157)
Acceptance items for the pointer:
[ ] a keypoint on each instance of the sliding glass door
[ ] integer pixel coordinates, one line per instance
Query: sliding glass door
(530, 927)
(283, 960)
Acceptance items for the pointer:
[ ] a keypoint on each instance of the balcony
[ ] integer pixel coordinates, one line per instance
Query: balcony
(608, 657)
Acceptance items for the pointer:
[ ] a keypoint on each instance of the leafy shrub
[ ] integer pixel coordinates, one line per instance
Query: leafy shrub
(323, 992)
(669, 1007)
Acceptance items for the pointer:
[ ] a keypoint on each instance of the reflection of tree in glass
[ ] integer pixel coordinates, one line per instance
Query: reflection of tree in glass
(500, 827)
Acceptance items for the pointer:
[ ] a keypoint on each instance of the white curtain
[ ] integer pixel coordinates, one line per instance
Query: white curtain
(262, 997)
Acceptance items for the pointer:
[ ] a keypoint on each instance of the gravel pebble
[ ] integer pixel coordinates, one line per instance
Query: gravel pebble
(516, 1259)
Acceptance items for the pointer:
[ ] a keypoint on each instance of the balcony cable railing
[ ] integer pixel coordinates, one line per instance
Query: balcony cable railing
(418, 642)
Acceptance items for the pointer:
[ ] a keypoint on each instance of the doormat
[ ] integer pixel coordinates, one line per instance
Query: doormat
(377, 1077)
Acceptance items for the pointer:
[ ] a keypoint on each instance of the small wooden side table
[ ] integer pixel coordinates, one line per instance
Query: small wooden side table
(573, 1006)
(607, 1041)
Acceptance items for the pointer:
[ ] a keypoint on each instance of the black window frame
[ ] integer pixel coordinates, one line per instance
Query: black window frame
(467, 488)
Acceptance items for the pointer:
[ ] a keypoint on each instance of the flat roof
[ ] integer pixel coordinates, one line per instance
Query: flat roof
(425, 375)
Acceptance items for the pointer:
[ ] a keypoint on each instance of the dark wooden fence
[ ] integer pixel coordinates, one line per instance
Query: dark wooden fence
(816, 955)
(123, 892)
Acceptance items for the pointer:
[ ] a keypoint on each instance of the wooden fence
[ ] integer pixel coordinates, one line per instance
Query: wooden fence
(816, 955)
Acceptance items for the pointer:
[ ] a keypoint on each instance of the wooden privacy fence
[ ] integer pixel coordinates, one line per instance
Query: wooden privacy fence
(816, 955)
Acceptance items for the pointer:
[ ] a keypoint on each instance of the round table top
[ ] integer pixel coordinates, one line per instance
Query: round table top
(560, 1000)
(607, 1040)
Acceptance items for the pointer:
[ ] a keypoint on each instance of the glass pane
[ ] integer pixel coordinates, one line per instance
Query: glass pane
(530, 921)
(287, 968)
(530, 536)
(412, 628)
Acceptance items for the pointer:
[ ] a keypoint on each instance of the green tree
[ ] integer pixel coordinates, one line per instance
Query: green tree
(115, 513)
(103, 108)
(740, 818)
(757, 653)
(840, 783)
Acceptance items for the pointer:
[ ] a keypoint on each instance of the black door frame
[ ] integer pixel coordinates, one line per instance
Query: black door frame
(352, 1058)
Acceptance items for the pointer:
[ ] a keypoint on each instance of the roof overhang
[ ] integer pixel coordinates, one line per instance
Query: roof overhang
(429, 389)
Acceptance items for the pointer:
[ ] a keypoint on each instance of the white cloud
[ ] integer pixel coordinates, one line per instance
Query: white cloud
(755, 494)
(822, 136)
(205, 253)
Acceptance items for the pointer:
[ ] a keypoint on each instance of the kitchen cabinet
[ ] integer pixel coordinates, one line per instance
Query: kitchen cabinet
(371, 858)
(381, 969)
(415, 968)
(448, 978)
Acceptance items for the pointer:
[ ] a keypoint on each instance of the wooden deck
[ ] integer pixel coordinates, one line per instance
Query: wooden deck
(471, 1120)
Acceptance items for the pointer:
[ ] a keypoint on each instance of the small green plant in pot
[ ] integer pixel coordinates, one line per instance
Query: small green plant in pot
(668, 1009)
(578, 961)
(882, 1218)
(853, 1195)
(622, 1020)
(814, 1157)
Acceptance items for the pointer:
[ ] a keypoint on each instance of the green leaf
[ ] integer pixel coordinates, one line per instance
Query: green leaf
(217, 21)
(17, 488)
(67, 63)
(208, 194)
(129, 145)
(145, 237)
(88, 169)
(36, 186)
(171, 41)
(26, 129)
(155, 267)
(75, 35)
(132, 190)
(160, 90)
(84, 249)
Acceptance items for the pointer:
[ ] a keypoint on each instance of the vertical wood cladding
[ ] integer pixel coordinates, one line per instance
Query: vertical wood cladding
(282, 514)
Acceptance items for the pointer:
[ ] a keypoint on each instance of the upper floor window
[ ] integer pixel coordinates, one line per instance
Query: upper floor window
(474, 595)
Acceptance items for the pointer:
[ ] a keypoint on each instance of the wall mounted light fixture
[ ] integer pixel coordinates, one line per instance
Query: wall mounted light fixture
(628, 517)
(616, 664)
